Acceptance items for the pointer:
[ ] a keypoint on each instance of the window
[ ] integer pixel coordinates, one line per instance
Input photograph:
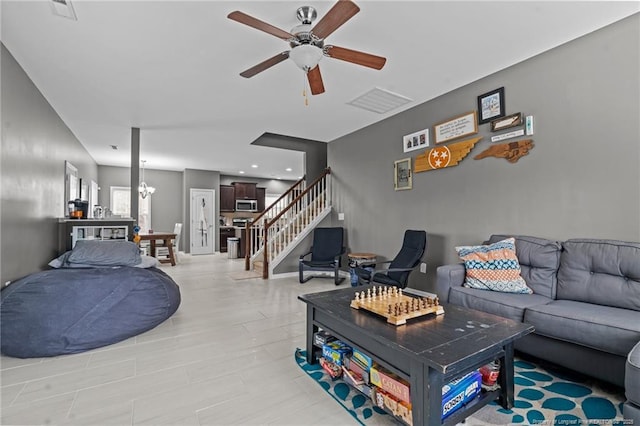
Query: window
(120, 204)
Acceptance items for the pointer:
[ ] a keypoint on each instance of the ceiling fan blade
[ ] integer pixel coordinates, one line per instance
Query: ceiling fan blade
(340, 13)
(265, 64)
(354, 56)
(315, 81)
(243, 18)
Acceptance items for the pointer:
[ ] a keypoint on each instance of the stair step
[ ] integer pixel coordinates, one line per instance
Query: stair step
(257, 266)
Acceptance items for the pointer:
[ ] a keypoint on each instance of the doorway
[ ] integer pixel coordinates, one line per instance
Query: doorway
(202, 231)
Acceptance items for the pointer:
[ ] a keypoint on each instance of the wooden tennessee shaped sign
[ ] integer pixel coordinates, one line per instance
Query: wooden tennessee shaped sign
(510, 151)
(444, 156)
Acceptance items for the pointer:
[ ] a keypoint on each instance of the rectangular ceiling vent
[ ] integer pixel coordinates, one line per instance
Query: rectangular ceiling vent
(63, 8)
(379, 101)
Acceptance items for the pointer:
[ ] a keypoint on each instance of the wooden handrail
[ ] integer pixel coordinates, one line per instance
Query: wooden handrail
(326, 172)
(280, 198)
(247, 227)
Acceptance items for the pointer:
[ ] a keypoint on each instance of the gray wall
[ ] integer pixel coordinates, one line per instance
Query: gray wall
(582, 179)
(315, 153)
(166, 202)
(35, 145)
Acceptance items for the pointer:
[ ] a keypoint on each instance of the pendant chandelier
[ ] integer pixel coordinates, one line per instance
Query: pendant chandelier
(145, 189)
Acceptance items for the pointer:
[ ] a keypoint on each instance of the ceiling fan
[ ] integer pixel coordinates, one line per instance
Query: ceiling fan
(307, 42)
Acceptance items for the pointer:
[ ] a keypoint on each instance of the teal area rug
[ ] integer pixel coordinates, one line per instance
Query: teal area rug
(541, 396)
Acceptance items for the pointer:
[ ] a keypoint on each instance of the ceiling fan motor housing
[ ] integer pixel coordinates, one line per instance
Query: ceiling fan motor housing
(303, 35)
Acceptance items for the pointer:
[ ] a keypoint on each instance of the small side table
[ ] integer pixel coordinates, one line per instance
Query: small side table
(360, 260)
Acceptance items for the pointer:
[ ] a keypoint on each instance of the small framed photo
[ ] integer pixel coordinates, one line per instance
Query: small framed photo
(491, 106)
(507, 122)
(402, 174)
(417, 140)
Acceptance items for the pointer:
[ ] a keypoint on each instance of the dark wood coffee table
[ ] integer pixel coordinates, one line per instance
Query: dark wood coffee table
(427, 352)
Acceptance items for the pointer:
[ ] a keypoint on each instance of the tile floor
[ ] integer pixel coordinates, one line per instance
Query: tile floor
(224, 358)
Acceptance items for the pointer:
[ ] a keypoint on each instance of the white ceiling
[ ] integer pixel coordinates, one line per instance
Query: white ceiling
(171, 68)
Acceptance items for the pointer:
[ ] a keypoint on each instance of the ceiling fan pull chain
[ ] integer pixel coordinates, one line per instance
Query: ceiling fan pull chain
(304, 90)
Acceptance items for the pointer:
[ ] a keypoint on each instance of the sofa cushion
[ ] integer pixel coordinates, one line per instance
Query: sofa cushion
(604, 272)
(605, 328)
(493, 267)
(539, 261)
(508, 305)
(632, 375)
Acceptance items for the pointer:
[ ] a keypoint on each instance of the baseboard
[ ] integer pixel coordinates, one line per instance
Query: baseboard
(344, 274)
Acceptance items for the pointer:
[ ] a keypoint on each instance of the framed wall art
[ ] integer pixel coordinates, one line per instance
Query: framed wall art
(402, 174)
(417, 140)
(456, 127)
(491, 105)
(507, 122)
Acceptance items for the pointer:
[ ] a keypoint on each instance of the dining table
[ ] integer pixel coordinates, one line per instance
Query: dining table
(167, 241)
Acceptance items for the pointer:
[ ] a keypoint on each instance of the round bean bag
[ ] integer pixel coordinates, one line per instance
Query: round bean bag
(64, 311)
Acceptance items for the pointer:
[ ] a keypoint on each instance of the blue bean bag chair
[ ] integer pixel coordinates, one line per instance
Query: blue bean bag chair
(71, 310)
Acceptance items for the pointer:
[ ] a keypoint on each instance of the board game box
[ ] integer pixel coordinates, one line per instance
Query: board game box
(335, 351)
(362, 358)
(390, 383)
(334, 371)
(322, 337)
(460, 391)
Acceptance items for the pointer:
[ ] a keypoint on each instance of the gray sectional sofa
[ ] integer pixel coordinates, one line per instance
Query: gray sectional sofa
(585, 305)
(631, 408)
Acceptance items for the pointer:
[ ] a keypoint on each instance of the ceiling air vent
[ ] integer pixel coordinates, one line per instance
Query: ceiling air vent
(379, 100)
(63, 8)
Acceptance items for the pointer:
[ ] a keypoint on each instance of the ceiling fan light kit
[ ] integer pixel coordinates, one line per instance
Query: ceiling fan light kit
(306, 56)
(307, 42)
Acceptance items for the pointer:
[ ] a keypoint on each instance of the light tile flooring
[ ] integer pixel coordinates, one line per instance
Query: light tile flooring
(225, 357)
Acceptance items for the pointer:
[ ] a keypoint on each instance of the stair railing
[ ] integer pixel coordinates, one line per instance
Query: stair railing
(254, 231)
(272, 234)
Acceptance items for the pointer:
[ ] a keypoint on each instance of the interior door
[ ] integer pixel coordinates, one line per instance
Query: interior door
(202, 230)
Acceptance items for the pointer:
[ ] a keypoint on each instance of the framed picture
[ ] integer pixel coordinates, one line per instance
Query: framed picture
(402, 174)
(491, 106)
(512, 120)
(415, 140)
(71, 182)
(456, 127)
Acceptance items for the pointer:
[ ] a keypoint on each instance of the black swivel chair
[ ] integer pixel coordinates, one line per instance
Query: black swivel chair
(397, 274)
(326, 253)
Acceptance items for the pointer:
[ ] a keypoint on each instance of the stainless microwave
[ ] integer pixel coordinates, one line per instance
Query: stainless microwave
(246, 205)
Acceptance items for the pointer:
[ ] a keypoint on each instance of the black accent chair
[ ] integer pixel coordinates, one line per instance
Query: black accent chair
(397, 274)
(326, 253)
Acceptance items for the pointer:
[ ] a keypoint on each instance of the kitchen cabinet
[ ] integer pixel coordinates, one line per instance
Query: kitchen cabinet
(226, 232)
(245, 190)
(260, 195)
(227, 198)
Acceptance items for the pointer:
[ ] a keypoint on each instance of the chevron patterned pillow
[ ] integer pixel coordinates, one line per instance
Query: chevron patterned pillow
(493, 267)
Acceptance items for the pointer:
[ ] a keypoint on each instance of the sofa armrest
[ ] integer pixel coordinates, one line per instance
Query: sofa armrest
(448, 276)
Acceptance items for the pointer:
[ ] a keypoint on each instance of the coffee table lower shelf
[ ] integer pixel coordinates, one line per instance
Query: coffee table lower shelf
(458, 416)
(471, 407)
(485, 397)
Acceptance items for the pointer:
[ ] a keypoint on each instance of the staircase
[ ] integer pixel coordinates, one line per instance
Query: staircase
(280, 228)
